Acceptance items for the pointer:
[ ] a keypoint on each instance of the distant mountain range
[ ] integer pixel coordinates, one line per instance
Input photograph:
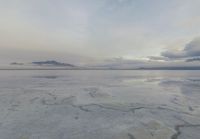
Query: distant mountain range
(52, 63)
(170, 68)
(16, 63)
(49, 64)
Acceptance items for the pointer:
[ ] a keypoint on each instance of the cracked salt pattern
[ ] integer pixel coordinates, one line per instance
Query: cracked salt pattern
(99, 104)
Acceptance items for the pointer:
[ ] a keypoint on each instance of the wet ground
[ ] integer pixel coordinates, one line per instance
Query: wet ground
(99, 104)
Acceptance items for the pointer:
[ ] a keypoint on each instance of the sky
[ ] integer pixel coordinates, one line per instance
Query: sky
(87, 31)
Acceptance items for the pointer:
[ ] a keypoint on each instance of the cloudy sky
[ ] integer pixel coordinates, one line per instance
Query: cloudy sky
(84, 31)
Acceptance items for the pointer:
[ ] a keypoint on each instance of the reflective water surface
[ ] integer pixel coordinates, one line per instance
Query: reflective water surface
(99, 104)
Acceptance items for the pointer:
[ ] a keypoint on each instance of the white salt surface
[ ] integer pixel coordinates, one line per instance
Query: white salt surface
(99, 104)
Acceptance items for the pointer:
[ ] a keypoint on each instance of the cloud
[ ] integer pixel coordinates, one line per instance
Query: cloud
(193, 59)
(99, 29)
(192, 49)
(158, 58)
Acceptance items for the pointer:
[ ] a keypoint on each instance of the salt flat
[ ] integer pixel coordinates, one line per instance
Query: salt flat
(99, 104)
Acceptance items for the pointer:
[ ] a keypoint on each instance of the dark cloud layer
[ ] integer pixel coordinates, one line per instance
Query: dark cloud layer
(158, 58)
(193, 59)
(192, 49)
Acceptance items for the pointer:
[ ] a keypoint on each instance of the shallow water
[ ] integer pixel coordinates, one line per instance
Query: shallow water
(99, 104)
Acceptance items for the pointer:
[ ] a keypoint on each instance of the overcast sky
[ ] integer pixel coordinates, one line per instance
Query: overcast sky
(88, 30)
